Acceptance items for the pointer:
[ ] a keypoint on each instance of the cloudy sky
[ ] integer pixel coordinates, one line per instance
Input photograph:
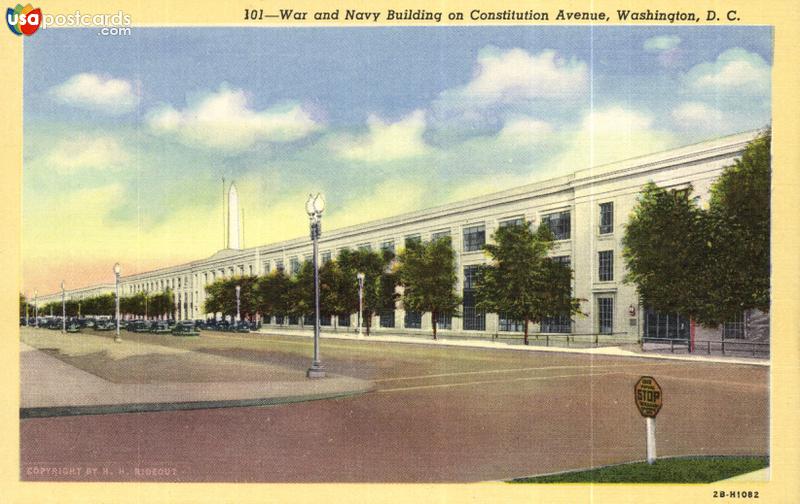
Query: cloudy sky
(127, 138)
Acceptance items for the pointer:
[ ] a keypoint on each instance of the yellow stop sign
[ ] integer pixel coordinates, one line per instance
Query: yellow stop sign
(648, 396)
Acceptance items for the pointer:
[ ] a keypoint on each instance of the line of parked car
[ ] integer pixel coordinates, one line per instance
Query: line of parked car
(182, 327)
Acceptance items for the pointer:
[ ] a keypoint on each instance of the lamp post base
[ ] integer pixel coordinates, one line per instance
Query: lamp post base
(315, 371)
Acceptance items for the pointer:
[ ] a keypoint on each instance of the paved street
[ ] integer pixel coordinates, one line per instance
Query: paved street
(437, 414)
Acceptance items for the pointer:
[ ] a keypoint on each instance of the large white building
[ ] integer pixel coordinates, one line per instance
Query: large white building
(586, 210)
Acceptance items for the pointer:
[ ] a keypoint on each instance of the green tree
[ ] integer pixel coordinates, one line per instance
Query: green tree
(272, 294)
(709, 265)
(378, 280)
(336, 292)
(427, 272)
(738, 228)
(664, 243)
(521, 281)
(24, 307)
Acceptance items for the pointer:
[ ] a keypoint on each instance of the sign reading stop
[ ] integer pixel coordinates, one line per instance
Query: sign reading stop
(648, 396)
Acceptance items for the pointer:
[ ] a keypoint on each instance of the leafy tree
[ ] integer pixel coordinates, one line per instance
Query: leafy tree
(663, 245)
(709, 265)
(427, 272)
(23, 306)
(221, 296)
(272, 294)
(521, 281)
(738, 227)
(336, 292)
(378, 280)
(162, 304)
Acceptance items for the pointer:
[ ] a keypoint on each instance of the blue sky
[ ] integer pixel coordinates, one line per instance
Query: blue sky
(129, 136)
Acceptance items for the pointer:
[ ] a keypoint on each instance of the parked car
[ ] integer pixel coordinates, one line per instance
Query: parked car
(160, 327)
(185, 328)
(73, 326)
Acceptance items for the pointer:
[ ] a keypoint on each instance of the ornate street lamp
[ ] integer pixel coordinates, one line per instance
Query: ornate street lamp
(117, 271)
(63, 309)
(238, 303)
(315, 205)
(360, 277)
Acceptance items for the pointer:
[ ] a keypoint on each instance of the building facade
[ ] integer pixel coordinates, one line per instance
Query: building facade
(586, 210)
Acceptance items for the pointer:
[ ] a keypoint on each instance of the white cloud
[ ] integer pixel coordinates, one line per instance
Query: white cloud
(735, 70)
(610, 134)
(696, 115)
(525, 131)
(97, 93)
(225, 120)
(385, 141)
(515, 74)
(661, 43)
(86, 152)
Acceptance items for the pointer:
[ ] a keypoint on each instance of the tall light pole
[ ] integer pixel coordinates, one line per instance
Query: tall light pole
(117, 271)
(360, 277)
(63, 309)
(315, 205)
(36, 308)
(238, 303)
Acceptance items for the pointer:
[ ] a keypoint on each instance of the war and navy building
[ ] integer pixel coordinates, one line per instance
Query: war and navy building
(586, 211)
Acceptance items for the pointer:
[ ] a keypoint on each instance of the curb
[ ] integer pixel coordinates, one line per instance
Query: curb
(110, 409)
(490, 345)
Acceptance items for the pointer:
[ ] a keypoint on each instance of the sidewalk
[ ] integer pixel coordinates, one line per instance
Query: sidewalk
(50, 387)
(427, 339)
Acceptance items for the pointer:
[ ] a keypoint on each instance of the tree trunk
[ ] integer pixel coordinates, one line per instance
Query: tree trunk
(526, 331)
(433, 319)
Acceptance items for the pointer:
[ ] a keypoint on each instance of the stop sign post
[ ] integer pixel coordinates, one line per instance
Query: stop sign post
(649, 397)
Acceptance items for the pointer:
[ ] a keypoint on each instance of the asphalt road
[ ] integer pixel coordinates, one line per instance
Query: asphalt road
(438, 415)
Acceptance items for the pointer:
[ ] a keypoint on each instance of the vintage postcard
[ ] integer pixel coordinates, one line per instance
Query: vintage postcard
(400, 251)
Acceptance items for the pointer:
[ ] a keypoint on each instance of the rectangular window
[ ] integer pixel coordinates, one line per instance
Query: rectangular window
(734, 329)
(365, 247)
(605, 317)
(412, 320)
(324, 320)
(250, 267)
(474, 238)
(559, 224)
(565, 260)
(505, 323)
(415, 238)
(440, 234)
(326, 257)
(605, 265)
(473, 319)
(444, 321)
(387, 318)
(344, 320)
(559, 324)
(665, 325)
(515, 221)
(279, 266)
(388, 245)
(606, 218)
(294, 266)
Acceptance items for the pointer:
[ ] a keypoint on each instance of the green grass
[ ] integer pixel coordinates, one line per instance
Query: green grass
(670, 470)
